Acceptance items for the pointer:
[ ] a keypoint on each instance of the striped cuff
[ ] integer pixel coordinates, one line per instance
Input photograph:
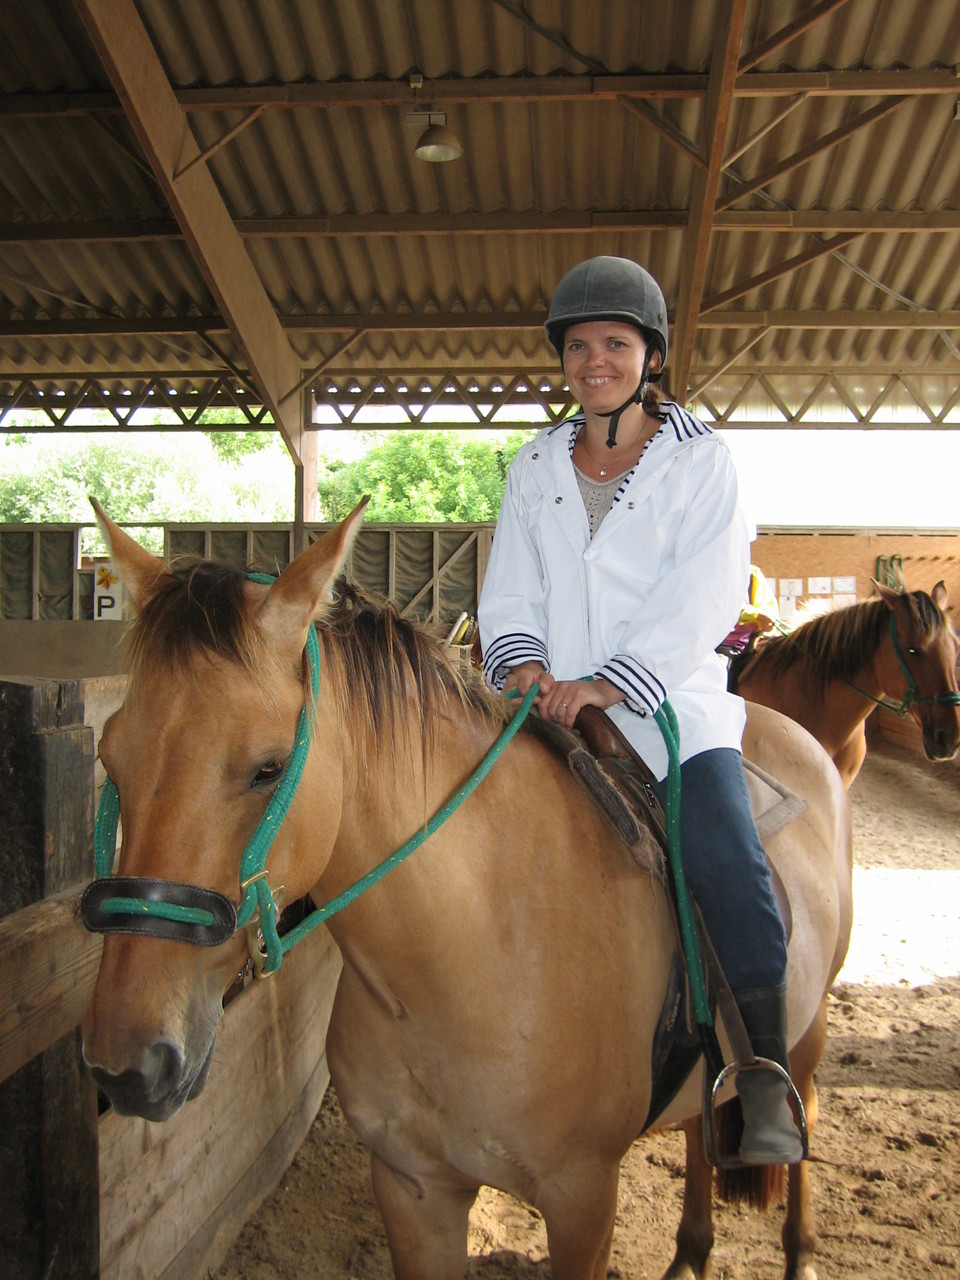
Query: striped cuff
(510, 651)
(642, 691)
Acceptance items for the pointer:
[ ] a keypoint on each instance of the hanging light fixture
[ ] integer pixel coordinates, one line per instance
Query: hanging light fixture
(437, 143)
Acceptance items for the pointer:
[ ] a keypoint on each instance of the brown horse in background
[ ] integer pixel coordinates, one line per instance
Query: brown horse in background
(828, 674)
(501, 988)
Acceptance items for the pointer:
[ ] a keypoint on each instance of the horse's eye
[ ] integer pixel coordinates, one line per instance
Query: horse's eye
(913, 653)
(269, 773)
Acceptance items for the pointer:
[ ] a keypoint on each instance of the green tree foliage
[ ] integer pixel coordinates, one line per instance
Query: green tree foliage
(422, 476)
(157, 476)
(233, 446)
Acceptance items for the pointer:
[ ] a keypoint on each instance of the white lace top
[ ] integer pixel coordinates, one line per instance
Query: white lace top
(598, 496)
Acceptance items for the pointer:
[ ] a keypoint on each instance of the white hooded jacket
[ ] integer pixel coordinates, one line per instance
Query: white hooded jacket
(645, 602)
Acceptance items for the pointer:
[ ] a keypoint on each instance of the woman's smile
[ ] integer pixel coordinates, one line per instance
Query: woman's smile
(603, 360)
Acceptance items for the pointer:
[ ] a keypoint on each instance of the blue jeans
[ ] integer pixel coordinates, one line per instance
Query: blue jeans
(726, 870)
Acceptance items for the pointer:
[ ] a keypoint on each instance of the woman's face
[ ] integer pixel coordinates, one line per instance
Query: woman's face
(603, 363)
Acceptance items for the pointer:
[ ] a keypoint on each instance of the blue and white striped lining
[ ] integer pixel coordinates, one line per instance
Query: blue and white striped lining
(509, 651)
(642, 691)
(685, 427)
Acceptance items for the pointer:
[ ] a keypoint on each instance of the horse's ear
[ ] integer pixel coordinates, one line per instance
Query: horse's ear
(888, 595)
(295, 599)
(939, 595)
(139, 570)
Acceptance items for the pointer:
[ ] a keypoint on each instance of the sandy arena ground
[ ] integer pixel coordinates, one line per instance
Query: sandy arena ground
(886, 1177)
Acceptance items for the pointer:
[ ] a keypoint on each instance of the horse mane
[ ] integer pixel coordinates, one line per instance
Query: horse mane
(835, 645)
(388, 663)
(384, 663)
(195, 609)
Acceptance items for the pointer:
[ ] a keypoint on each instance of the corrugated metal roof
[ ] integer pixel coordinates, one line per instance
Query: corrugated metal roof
(88, 241)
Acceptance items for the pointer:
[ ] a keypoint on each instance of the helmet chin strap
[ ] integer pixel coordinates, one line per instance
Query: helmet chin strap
(615, 414)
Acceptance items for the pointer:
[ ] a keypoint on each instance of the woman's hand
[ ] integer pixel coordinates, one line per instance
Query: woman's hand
(561, 700)
(523, 676)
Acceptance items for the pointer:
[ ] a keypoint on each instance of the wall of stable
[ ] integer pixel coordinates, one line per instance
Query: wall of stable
(925, 558)
(74, 649)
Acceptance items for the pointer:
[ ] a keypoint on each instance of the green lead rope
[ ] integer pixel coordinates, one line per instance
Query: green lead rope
(257, 894)
(666, 718)
(439, 818)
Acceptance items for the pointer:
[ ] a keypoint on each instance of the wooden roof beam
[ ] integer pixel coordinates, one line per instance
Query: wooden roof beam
(810, 152)
(438, 322)
(337, 226)
(782, 269)
(130, 60)
(790, 32)
(305, 96)
(722, 77)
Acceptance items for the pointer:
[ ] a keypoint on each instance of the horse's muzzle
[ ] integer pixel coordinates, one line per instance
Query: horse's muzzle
(155, 1088)
(938, 745)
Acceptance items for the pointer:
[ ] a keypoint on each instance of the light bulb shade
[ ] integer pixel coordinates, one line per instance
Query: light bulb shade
(438, 144)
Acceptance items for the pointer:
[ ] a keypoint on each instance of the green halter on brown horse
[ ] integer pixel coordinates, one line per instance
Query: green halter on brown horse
(501, 988)
(899, 651)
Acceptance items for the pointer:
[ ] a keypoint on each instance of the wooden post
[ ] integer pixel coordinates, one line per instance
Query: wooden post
(49, 1225)
(306, 506)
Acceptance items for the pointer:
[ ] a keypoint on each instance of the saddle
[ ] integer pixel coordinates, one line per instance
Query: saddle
(624, 789)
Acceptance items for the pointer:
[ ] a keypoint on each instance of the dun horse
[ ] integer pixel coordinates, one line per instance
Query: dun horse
(501, 988)
(828, 674)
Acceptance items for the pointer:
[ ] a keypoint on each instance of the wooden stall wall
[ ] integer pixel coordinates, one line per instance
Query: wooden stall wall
(48, 1105)
(926, 558)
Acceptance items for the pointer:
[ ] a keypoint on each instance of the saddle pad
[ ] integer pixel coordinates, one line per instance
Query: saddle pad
(625, 798)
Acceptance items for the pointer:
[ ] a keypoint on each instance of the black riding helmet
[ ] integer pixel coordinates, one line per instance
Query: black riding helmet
(607, 288)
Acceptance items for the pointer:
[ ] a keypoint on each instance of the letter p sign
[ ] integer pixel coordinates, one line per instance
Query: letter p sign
(107, 593)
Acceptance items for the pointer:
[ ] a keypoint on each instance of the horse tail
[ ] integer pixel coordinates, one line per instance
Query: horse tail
(753, 1185)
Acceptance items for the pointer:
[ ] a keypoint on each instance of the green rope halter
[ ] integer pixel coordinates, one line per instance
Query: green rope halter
(947, 698)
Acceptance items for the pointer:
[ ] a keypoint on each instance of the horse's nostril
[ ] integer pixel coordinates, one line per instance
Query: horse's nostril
(163, 1067)
(148, 1088)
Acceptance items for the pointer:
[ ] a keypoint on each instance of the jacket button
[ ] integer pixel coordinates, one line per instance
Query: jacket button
(631, 506)
(534, 456)
(558, 501)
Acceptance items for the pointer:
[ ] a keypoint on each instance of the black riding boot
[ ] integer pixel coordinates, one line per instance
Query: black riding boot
(770, 1133)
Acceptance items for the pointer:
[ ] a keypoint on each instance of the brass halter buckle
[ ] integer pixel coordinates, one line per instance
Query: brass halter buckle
(256, 945)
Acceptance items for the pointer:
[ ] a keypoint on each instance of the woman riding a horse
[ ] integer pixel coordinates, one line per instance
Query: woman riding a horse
(617, 568)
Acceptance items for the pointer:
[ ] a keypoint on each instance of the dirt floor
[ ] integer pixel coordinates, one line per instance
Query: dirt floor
(886, 1152)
